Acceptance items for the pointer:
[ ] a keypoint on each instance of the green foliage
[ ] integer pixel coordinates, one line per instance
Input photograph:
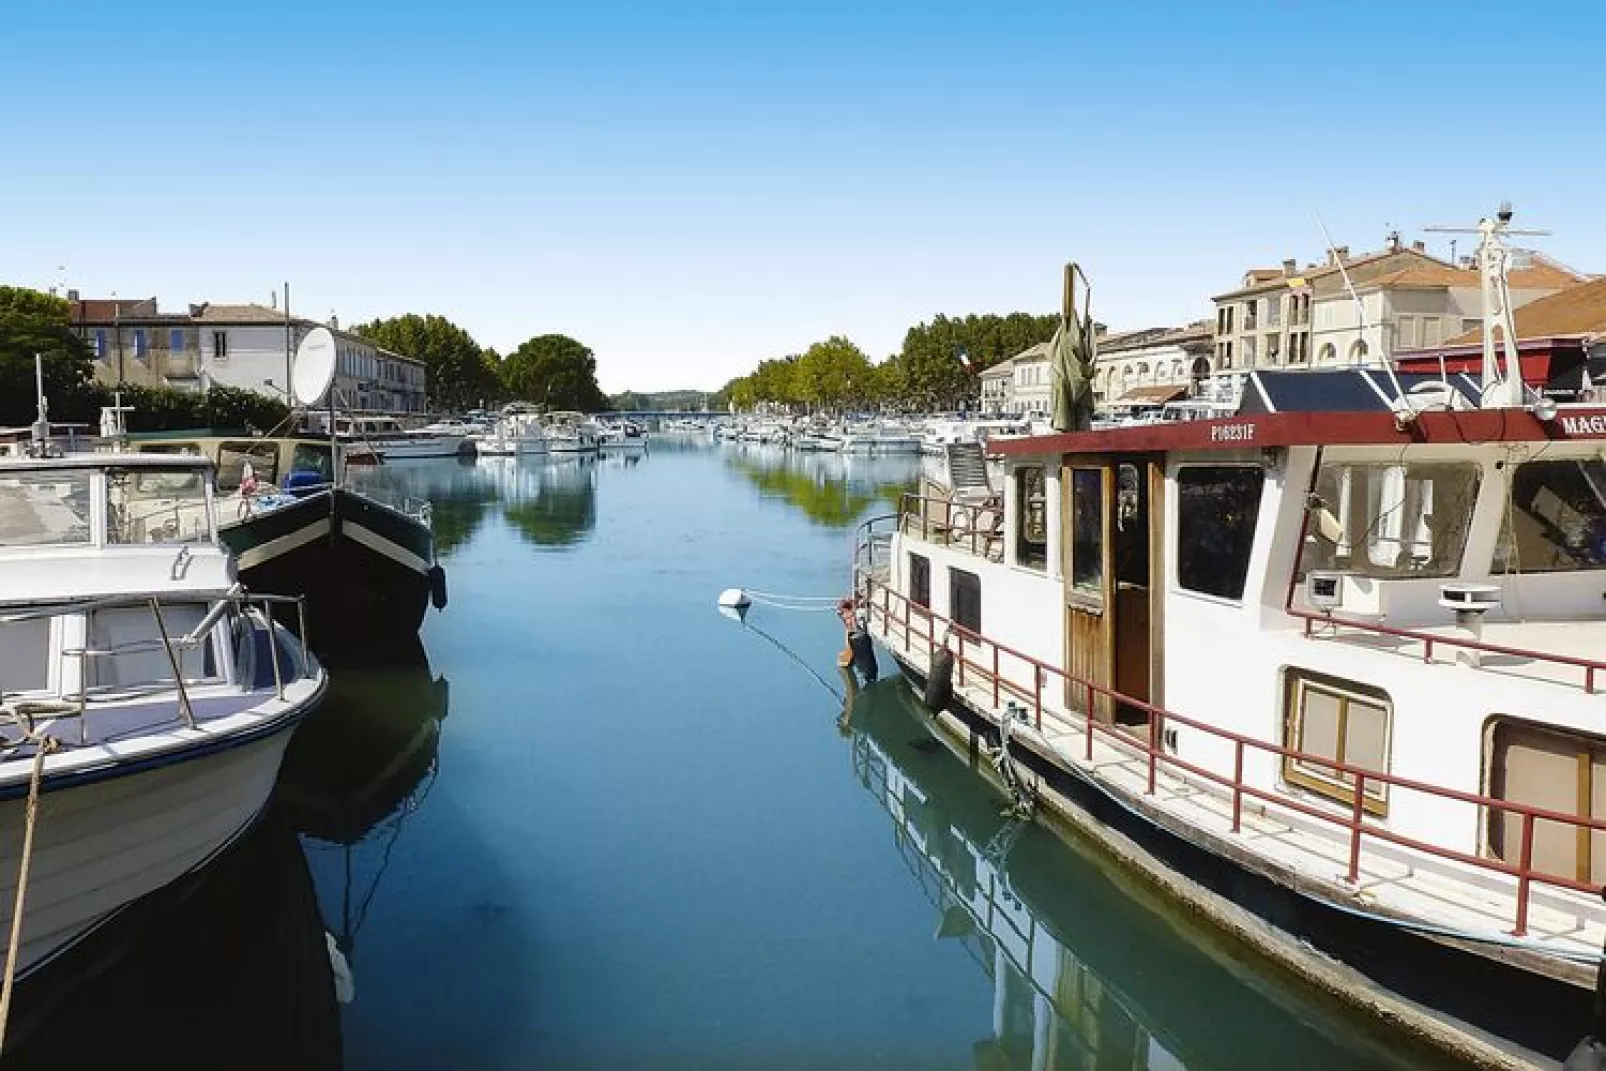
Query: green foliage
(833, 374)
(833, 503)
(556, 371)
(926, 374)
(30, 323)
(690, 401)
(460, 374)
(166, 409)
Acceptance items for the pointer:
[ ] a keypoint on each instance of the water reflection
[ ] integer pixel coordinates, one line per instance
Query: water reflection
(1083, 976)
(831, 489)
(226, 968)
(550, 503)
(359, 767)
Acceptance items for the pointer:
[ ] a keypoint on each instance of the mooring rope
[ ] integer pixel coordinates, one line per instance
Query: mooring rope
(45, 745)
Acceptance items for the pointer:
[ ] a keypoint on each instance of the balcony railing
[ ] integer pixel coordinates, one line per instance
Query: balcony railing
(976, 527)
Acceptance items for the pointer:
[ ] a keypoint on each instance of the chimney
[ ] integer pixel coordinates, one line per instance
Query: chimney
(1465, 262)
(72, 295)
(1342, 253)
(1392, 241)
(196, 311)
(334, 321)
(273, 299)
(1290, 268)
(1419, 246)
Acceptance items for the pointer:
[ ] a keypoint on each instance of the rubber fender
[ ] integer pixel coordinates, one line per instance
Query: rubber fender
(863, 655)
(437, 587)
(940, 682)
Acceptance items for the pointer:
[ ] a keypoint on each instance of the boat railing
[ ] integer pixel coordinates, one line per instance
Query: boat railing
(872, 546)
(974, 526)
(23, 707)
(1009, 673)
(1319, 625)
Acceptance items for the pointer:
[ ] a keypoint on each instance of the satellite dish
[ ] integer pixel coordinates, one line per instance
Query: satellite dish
(314, 367)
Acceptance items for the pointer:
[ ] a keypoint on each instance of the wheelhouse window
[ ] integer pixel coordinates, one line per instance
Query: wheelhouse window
(133, 652)
(1031, 517)
(1391, 520)
(1328, 720)
(25, 655)
(1557, 521)
(232, 457)
(1087, 534)
(316, 461)
(920, 580)
(964, 599)
(1217, 507)
(1554, 770)
(156, 506)
(39, 509)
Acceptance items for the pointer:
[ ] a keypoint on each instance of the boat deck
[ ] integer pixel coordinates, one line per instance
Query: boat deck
(1392, 880)
(1553, 651)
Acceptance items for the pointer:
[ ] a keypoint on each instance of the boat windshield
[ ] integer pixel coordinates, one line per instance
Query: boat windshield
(156, 506)
(1391, 520)
(44, 508)
(1557, 521)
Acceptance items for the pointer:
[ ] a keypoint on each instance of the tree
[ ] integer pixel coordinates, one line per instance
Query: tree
(460, 374)
(30, 323)
(832, 374)
(930, 373)
(554, 370)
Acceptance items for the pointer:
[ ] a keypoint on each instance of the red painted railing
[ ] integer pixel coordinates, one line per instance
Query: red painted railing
(977, 527)
(1429, 641)
(978, 659)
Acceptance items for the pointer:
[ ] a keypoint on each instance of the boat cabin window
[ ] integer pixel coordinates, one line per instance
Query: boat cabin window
(964, 599)
(1391, 520)
(1339, 721)
(39, 509)
(231, 459)
(1031, 517)
(1557, 521)
(156, 506)
(315, 459)
(131, 653)
(919, 580)
(1558, 771)
(1087, 534)
(1217, 507)
(25, 655)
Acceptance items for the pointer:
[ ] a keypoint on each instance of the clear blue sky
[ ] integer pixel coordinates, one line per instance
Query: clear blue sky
(689, 187)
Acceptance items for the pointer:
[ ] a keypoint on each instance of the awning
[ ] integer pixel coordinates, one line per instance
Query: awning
(1150, 395)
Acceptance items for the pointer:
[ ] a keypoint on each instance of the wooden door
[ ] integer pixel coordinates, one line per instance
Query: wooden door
(1089, 577)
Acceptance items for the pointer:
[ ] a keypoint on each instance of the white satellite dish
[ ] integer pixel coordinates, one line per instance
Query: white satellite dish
(314, 367)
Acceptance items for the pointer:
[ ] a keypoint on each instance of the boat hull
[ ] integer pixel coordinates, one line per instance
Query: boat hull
(101, 845)
(362, 567)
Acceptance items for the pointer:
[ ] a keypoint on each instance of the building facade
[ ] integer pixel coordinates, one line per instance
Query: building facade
(1031, 391)
(1402, 298)
(243, 346)
(998, 387)
(1150, 366)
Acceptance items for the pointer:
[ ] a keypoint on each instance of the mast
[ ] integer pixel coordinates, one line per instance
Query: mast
(1502, 388)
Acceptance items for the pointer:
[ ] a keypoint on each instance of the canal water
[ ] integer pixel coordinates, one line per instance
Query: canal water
(589, 822)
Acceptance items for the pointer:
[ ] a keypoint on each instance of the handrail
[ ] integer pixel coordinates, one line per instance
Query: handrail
(979, 534)
(1429, 640)
(1351, 819)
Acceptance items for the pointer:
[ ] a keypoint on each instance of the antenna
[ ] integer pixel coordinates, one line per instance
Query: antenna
(1360, 311)
(1501, 388)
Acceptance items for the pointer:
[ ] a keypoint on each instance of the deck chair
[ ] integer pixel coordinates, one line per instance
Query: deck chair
(976, 510)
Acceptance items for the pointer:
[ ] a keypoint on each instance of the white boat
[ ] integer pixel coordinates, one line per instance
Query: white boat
(386, 437)
(570, 433)
(622, 437)
(1342, 654)
(165, 693)
(940, 434)
(880, 439)
(512, 435)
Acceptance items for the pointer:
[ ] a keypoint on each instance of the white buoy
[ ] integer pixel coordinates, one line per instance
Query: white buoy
(734, 599)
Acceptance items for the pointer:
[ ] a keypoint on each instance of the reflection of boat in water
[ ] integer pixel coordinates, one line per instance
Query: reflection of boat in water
(229, 968)
(355, 773)
(1083, 974)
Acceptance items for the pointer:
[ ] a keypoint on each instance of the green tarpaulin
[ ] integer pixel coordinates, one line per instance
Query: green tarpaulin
(1071, 355)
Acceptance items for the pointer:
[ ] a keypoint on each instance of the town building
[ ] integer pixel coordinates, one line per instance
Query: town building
(1031, 393)
(244, 346)
(998, 387)
(1150, 366)
(1292, 317)
(1561, 345)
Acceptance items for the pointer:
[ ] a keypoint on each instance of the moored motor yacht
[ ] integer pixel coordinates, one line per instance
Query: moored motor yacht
(570, 433)
(144, 695)
(1328, 669)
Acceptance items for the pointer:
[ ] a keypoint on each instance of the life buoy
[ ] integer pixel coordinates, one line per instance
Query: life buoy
(940, 682)
(863, 655)
(437, 587)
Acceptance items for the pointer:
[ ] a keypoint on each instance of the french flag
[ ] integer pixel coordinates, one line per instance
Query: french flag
(964, 359)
